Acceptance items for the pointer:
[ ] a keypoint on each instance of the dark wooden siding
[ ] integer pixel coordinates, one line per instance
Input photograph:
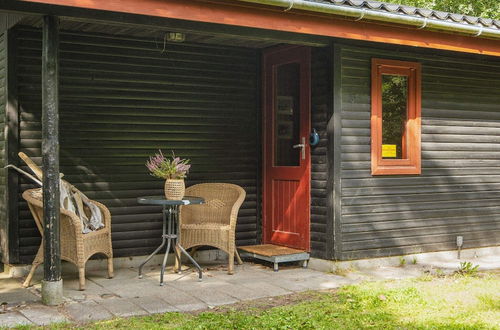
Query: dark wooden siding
(121, 99)
(458, 192)
(320, 112)
(3, 172)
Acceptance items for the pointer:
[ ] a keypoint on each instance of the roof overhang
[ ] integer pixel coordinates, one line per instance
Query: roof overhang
(404, 15)
(245, 14)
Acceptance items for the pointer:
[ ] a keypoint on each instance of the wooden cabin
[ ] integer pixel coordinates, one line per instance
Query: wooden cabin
(406, 103)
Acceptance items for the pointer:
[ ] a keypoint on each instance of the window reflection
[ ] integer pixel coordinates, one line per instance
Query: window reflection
(287, 115)
(394, 115)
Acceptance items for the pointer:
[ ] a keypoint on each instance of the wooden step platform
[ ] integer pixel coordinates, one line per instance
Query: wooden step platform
(274, 253)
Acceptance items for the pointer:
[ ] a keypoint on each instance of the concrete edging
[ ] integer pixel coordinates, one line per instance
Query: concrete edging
(443, 259)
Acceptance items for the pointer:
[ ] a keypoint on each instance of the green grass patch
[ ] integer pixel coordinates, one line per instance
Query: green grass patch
(454, 302)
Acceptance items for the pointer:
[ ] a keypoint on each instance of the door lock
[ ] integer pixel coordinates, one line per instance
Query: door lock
(302, 146)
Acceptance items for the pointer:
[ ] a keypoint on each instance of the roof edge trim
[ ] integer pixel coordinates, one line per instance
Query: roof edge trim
(363, 13)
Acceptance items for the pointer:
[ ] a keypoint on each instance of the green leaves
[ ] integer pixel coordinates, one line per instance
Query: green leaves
(467, 269)
(164, 168)
(480, 8)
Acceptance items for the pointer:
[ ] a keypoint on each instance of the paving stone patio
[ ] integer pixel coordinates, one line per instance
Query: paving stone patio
(126, 295)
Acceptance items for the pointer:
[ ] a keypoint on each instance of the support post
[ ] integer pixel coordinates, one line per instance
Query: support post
(11, 137)
(52, 282)
(334, 131)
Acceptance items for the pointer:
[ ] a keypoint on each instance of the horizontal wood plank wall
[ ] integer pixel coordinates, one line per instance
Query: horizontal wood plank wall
(121, 99)
(458, 192)
(320, 111)
(4, 229)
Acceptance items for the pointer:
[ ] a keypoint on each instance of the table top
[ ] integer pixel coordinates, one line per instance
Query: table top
(161, 200)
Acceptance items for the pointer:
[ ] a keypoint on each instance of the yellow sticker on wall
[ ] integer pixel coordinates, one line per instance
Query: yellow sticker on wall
(388, 151)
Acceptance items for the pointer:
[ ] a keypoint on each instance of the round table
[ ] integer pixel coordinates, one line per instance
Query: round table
(171, 229)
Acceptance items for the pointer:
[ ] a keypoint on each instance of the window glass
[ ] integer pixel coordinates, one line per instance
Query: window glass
(287, 115)
(394, 115)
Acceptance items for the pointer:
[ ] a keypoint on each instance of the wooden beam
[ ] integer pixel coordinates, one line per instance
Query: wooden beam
(83, 15)
(330, 148)
(260, 148)
(239, 14)
(334, 131)
(50, 149)
(4, 200)
(8, 20)
(12, 147)
(207, 29)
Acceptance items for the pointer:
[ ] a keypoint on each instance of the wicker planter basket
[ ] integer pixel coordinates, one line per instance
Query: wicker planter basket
(175, 189)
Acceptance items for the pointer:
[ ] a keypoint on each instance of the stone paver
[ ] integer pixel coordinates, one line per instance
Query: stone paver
(122, 307)
(9, 284)
(43, 315)
(92, 290)
(212, 296)
(126, 295)
(323, 282)
(12, 319)
(246, 271)
(132, 288)
(180, 299)
(241, 274)
(238, 291)
(265, 289)
(297, 273)
(20, 296)
(290, 285)
(101, 276)
(11, 292)
(154, 305)
(87, 311)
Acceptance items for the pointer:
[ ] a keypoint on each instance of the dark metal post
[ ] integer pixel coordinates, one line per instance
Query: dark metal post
(52, 283)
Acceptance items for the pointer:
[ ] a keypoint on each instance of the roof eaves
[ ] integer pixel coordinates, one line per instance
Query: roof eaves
(413, 11)
(397, 14)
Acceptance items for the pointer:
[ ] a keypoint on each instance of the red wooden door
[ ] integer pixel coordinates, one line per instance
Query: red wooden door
(287, 161)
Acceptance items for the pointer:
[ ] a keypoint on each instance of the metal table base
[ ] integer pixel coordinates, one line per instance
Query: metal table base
(170, 235)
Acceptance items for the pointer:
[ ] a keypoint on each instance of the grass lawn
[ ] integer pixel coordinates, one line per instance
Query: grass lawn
(452, 302)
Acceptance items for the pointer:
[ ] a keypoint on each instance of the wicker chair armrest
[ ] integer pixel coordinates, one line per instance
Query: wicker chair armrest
(74, 221)
(186, 215)
(105, 212)
(38, 204)
(236, 208)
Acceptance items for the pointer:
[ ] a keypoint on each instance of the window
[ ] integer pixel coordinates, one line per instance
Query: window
(395, 120)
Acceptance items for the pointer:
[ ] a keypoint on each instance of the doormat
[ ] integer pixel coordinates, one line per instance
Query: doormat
(275, 254)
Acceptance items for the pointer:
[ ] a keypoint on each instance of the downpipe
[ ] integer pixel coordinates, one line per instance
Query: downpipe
(361, 13)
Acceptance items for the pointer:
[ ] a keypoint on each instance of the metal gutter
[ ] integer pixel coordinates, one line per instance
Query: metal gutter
(361, 13)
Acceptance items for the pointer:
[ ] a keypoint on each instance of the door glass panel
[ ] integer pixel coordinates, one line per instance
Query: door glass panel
(394, 116)
(287, 115)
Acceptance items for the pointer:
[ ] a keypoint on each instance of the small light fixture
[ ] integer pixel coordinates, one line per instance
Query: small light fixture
(176, 37)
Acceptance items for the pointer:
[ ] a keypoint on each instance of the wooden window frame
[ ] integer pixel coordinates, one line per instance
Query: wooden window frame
(411, 164)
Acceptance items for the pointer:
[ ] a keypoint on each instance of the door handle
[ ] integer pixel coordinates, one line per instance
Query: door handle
(302, 146)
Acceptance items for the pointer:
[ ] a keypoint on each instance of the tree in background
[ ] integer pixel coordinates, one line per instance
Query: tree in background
(481, 8)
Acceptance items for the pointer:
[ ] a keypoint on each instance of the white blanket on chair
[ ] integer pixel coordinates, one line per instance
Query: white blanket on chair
(73, 200)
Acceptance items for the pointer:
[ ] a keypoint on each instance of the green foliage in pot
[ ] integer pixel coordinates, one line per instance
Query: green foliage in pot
(163, 167)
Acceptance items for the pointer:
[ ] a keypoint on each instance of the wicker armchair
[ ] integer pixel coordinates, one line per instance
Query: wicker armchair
(76, 247)
(214, 222)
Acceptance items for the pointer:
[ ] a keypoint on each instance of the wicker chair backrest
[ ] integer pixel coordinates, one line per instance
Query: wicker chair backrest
(220, 198)
(34, 199)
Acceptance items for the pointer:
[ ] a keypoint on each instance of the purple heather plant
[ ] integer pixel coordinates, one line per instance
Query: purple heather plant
(165, 168)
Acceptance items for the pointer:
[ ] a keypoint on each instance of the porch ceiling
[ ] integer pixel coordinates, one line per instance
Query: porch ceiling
(156, 33)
